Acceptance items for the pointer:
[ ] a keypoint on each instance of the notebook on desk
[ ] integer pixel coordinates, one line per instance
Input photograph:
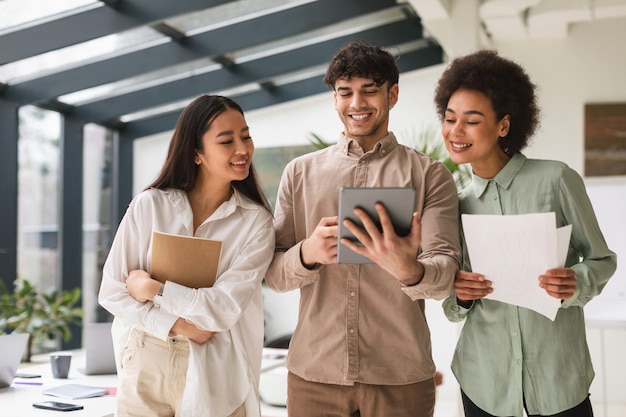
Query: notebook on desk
(12, 347)
(99, 356)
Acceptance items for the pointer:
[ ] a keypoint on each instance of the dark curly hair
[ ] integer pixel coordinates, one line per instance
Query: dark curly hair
(505, 83)
(360, 59)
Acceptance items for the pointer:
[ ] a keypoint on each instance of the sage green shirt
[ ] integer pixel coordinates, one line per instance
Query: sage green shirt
(506, 353)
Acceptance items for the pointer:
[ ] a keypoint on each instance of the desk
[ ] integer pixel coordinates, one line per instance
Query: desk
(18, 399)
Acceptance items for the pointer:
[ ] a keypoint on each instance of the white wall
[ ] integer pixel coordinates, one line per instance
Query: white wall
(587, 67)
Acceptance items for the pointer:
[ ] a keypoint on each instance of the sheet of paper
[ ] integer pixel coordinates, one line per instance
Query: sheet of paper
(512, 251)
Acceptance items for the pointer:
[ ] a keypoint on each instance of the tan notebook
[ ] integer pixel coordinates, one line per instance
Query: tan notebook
(189, 261)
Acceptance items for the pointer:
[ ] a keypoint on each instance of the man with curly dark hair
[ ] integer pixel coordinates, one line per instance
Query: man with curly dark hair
(510, 358)
(362, 345)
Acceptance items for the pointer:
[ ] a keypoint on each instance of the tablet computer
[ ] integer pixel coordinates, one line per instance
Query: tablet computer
(399, 202)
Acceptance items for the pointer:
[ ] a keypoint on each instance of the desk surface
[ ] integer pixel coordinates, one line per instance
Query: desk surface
(19, 397)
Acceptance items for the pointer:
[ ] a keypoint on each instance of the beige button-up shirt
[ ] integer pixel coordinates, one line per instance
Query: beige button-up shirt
(357, 323)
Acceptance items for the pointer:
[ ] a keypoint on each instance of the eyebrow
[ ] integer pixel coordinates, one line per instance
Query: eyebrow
(230, 132)
(467, 112)
(368, 85)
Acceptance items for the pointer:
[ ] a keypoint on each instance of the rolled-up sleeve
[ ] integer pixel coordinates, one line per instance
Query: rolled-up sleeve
(587, 242)
(128, 253)
(440, 248)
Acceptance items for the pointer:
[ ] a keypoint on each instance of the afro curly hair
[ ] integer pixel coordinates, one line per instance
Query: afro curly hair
(504, 82)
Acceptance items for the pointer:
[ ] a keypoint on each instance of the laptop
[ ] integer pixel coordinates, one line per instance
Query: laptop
(12, 347)
(98, 345)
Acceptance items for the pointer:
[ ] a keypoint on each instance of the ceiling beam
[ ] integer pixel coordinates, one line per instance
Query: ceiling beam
(92, 23)
(268, 28)
(421, 58)
(249, 72)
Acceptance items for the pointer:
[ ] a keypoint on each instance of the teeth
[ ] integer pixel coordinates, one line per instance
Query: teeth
(359, 116)
(461, 145)
(240, 163)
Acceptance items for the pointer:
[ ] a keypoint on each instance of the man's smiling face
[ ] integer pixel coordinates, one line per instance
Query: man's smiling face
(363, 107)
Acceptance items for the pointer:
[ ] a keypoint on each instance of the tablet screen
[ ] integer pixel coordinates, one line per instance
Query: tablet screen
(399, 202)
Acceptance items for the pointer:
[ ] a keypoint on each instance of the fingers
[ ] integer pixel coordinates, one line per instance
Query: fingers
(136, 283)
(321, 246)
(381, 244)
(416, 227)
(368, 237)
(328, 221)
(369, 229)
(559, 283)
(471, 286)
(385, 220)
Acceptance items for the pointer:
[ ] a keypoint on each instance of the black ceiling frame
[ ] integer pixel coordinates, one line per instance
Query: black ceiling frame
(92, 23)
(421, 58)
(250, 72)
(223, 44)
(217, 44)
(208, 44)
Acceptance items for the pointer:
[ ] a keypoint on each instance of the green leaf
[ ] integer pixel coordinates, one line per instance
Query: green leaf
(43, 315)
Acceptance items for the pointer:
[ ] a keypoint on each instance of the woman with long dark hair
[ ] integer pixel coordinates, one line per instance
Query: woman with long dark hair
(184, 351)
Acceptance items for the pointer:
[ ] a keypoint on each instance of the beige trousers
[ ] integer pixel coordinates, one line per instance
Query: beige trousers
(152, 377)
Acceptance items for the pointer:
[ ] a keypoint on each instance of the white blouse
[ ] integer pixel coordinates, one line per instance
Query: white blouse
(225, 371)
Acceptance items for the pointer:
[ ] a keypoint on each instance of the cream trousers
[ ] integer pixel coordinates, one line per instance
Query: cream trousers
(152, 377)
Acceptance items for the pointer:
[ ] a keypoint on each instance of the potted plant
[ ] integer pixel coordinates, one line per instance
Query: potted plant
(43, 316)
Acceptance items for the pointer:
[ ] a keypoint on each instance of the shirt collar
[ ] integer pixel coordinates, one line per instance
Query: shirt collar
(382, 147)
(504, 178)
(179, 199)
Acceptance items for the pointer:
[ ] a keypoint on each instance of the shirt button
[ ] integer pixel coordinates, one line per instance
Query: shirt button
(351, 331)
(495, 197)
(352, 293)
(514, 333)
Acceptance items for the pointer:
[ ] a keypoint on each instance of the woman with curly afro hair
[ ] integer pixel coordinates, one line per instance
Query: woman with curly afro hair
(508, 358)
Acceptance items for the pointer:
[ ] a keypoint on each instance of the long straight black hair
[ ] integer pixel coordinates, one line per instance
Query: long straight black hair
(179, 170)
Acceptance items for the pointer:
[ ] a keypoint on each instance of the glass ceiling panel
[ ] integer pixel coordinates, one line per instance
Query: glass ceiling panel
(204, 65)
(320, 35)
(80, 54)
(228, 14)
(16, 13)
(146, 80)
(180, 104)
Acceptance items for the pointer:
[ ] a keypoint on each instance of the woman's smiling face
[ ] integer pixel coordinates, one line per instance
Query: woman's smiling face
(227, 149)
(471, 131)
